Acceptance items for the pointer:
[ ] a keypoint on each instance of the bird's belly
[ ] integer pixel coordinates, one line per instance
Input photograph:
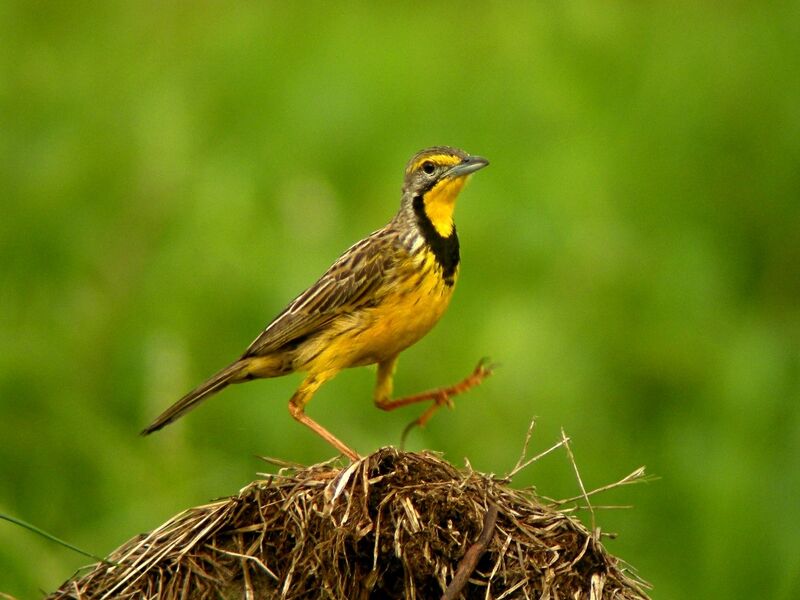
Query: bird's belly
(401, 321)
(401, 318)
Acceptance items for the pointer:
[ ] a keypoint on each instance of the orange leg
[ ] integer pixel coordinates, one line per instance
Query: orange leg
(297, 407)
(440, 396)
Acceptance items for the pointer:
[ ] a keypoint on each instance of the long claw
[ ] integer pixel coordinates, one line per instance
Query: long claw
(440, 397)
(406, 430)
(485, 367)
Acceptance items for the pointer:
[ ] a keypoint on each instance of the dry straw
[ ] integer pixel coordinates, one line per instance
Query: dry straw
(392, 525)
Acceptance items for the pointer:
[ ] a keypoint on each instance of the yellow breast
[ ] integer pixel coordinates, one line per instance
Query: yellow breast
(413, 301)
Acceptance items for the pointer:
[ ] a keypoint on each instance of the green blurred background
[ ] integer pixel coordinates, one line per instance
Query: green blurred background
(172, 175)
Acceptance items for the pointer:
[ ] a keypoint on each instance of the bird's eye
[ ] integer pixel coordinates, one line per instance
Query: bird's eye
(428, 167)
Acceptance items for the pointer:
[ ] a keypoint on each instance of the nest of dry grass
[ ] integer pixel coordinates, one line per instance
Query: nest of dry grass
(392, 525)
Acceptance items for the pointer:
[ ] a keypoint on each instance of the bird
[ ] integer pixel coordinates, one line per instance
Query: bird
(381, 296)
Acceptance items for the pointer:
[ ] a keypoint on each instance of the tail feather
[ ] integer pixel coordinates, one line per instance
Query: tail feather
(231, 374)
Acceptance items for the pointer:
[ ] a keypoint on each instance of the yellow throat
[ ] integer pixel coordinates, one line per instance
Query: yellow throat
(440, 202)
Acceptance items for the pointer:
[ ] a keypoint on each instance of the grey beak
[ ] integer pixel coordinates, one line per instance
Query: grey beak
(467, 166)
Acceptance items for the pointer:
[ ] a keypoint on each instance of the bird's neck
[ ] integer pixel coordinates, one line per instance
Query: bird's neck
(439, 202)
(445, 248)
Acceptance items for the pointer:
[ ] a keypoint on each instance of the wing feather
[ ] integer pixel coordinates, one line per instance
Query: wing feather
(349, 284)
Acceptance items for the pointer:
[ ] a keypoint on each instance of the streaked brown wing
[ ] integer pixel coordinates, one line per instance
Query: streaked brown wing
(347, 285)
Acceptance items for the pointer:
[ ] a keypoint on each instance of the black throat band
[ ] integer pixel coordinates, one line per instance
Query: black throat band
(445, 249)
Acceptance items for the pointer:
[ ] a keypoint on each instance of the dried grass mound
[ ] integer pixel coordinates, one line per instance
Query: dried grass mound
(392, 525)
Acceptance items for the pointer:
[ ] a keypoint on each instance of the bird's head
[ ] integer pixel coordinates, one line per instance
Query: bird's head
(434, 177)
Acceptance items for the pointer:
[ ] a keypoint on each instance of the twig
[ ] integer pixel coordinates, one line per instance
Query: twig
(524, 453)
(472, 555)
(636, 476)
(53, 538)
(565, 439)
(530, 461)
(245, 557)
(279, 462)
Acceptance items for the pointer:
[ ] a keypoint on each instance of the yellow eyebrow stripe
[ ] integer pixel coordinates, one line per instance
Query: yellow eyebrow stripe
(439, 159)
